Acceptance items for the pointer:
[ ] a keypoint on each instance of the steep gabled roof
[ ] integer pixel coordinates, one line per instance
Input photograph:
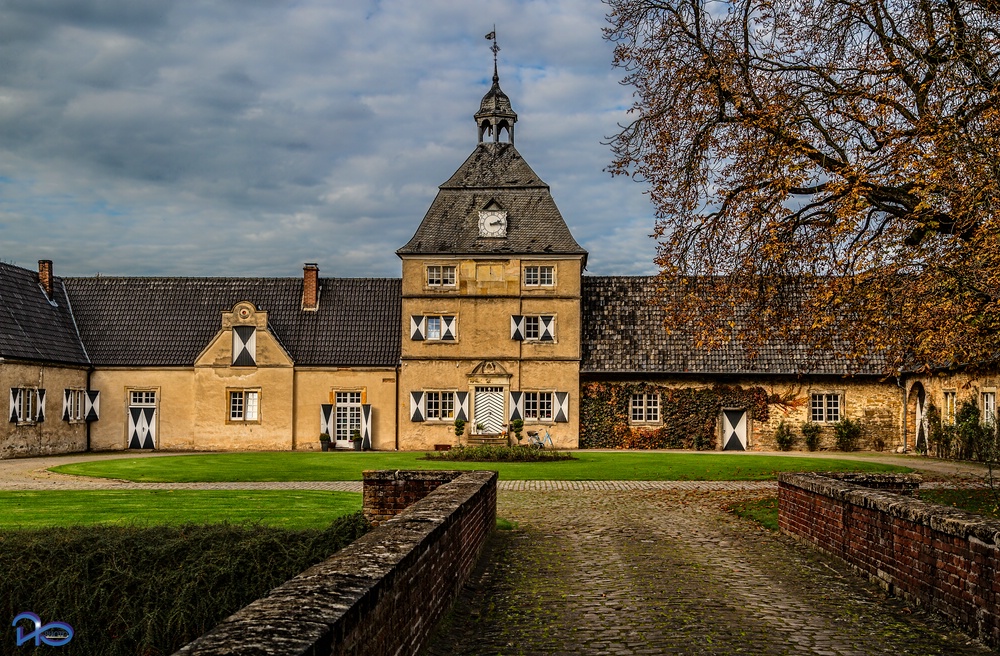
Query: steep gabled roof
(624, 331)
(32, 327)
(168, 321)
(494, 172)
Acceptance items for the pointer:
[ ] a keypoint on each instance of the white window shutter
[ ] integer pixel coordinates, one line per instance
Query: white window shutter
(417, 328)
(366, 426)
(244, 346)
(67, 401)
(516, 405)
(15, 404)
(517, 327)
(326, 418)
(417, 411)
(92, 405)
(562, 406)
(40, 410)
(448, 328)
(547, 329)
(462, 406)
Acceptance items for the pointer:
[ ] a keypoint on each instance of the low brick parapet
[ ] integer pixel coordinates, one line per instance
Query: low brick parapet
(388, 493)
(382, 594)
(943, 558)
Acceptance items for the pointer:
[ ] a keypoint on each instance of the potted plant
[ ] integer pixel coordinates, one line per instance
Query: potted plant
(324, 441)
(356, 438)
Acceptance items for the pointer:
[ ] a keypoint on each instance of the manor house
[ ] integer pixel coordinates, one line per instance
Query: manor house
(492, 320)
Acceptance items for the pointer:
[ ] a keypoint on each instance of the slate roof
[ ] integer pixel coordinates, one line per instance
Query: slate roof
(624, 332)
(497, 172)
(32, 328)
(168, 321)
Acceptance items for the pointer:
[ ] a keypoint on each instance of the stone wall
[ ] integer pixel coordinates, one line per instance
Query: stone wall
(939, 557)
(388, 493)
(383, 594)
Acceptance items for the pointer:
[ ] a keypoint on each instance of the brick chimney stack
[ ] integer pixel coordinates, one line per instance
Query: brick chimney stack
(45, 276)
(310, 287)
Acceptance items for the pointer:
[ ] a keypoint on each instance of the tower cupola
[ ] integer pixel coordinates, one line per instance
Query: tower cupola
(495, 114)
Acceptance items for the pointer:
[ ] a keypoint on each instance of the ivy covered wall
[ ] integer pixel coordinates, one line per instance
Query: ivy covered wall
(689, 416)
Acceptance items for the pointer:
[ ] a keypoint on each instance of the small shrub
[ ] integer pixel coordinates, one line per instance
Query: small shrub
(498, 453)
(517, 426)
(848, 432)
(811, 431)
(784, 437)
(459, 427)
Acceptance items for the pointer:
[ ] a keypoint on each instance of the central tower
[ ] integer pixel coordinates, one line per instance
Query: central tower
(491, 300)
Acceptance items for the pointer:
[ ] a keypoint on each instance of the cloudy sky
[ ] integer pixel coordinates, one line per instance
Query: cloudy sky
(245, 137)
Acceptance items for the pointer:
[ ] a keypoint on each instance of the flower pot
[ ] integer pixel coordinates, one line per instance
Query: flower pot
(357, 445)
(325, 444)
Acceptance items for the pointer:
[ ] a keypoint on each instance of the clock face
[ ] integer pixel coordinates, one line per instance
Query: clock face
(493, 223)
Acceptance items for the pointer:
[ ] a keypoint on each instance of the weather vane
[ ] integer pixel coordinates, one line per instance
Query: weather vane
(495, 48)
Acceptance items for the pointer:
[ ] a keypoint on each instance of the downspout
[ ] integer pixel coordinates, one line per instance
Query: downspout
(399, 370)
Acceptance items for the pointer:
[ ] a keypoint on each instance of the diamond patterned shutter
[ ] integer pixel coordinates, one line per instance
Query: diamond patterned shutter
(40, 410)
(244, 346)
(366, 426)
(516, 405)
(67, 401)
(92, 406)
(562, 406)
(448, 328)
(326, 418)
(15, 404)
(547, 332)
(462, 406)
(417, 406)
(417, 328)
(517, 327)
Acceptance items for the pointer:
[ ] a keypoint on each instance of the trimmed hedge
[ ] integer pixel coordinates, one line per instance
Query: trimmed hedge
(499, 453)
(689, 416)
(130, 590)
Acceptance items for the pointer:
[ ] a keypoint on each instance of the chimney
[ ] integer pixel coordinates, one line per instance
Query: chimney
(310, 287)
(45, 276)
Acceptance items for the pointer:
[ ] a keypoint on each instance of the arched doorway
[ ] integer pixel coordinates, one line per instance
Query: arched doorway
(916, 418)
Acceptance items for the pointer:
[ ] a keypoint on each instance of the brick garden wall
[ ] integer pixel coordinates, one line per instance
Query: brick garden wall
(940, 557)
(384, 593)
(388, 493)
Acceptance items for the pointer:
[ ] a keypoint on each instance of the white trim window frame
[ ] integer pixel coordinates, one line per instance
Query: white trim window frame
(645, 408)
(75, 405)
(25, 412)
(244, 406)
(538, 406)
(950, 409)
(826, 407)
(441, 275)
(539, 275)
(439, 405)
(989, 407)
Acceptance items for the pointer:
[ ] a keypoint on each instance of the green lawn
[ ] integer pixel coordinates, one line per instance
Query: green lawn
(283, 509)
(977, 501)
(340, 466)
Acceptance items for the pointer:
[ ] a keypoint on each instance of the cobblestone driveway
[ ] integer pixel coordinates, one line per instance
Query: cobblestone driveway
(669, 572)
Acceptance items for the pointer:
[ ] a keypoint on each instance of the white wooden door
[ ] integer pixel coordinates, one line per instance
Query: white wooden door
(734, 430)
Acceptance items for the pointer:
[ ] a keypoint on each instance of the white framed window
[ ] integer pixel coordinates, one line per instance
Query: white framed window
(989, 408)
(348, 418)
(539, 276)
(440, 276)
(950, 408)
(142, 398)
(74, 405)
(244, 406)
(645, 408)
(538, 406)
(434, 328)
(533, 328)
(27, 405)
(824, 407)
(440, 405)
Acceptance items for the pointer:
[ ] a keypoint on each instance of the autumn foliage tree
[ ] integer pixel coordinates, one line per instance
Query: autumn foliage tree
(828, 168)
